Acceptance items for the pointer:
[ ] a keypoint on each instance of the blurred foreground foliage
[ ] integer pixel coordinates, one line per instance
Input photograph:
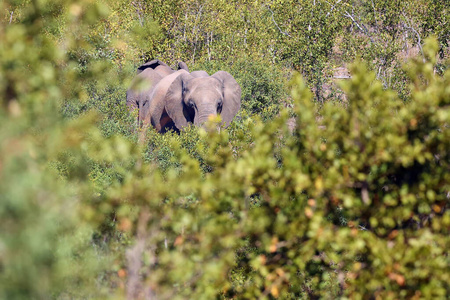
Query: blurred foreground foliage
(353, 202)
(45, 246)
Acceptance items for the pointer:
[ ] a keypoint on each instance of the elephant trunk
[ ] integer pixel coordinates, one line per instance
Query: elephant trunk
(203, 115)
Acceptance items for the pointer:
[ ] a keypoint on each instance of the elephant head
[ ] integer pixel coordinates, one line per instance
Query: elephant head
(191, 99)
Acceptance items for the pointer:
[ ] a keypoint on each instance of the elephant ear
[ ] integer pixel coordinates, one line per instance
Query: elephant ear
(174, 104)
(182, 66)
(231, 96)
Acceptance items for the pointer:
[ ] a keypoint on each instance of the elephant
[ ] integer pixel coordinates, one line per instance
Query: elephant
(174, 99)
(148, 75)
(182, 66)
(160, 67)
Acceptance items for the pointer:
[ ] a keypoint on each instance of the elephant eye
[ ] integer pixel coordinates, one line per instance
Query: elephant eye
(191, 103)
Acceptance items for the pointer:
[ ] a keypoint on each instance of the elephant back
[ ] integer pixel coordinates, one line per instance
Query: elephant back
(153, 64)
(157, 65)
(198, 74)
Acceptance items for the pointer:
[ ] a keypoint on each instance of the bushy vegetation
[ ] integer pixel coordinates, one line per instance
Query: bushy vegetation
(305, 195)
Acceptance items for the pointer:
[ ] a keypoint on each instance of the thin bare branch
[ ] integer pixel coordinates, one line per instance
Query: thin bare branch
(274, 22)
(419, 40)
(361, 27)
(375, 15)
(332, 7)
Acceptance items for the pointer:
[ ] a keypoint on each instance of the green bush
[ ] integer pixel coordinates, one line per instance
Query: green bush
(355, 208)
(46, 248)
(263, 87)
(352, 203)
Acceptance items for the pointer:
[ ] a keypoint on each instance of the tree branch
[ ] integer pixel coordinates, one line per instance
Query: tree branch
(332, 7)
(274, 22)
(419, 40)
(363, 28)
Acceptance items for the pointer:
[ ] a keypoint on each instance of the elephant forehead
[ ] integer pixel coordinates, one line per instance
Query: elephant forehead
(204, 85)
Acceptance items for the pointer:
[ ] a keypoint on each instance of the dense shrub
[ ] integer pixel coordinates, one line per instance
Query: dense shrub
(356, 206)
(45, 248)
(353, 202)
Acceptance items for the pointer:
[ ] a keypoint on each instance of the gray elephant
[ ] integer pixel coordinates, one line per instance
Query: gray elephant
(174, 99)
(148, 75)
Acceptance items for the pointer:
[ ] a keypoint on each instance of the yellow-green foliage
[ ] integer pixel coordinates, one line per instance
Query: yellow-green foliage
(355, 207)
(45, 245)
(352, 203)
